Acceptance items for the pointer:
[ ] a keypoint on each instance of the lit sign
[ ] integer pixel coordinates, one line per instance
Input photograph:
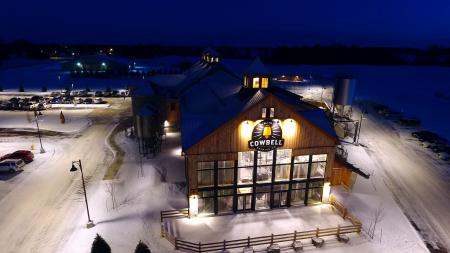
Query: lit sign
(266, 136)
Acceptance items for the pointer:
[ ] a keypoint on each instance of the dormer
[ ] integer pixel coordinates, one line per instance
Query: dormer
(256, 76)
(210, 56)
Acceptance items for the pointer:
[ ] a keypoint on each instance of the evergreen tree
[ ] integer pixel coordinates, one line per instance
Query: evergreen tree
(100, 246)
(142, 248)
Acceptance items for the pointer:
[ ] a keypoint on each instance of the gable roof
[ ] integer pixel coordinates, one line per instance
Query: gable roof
(196, 125)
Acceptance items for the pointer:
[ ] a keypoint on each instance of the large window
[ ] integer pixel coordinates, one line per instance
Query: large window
(318, 165)
(225, 200)
(298, 194)
(205, 174)
(206, 202)
(264, 168)
(262, 197)
(315, 192)
(245, 167)
(283, 167)
(301, 167)
(225, 173)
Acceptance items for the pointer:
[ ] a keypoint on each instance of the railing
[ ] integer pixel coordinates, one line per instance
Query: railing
(177, 213)
(261, 240)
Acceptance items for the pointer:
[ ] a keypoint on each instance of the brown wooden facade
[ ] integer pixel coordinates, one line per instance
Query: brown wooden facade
(226, 141)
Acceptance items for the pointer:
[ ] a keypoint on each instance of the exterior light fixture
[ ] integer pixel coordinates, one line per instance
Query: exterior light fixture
(193, 206)
(73, 169)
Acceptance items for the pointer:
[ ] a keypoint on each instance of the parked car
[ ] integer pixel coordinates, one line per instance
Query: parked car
(36, 99)
(28, 106)
(26, 155)
(11, 165)
(83, 93)
(55, 94)
(115, 93)
(98, 94)
(98, 101)
(88, 101)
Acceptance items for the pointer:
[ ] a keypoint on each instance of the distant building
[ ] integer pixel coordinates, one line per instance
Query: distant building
(248, 144)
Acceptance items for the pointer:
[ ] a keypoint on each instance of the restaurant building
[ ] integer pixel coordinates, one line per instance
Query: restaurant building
(251, 146)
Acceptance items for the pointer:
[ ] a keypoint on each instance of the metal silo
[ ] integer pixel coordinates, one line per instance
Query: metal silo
(344, 92)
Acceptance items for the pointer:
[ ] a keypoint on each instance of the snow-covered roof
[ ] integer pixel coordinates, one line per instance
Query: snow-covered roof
(257, 68)
(210, 112)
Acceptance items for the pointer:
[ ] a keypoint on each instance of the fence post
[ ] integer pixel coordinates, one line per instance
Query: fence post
(224, 245)
(359, 228)
(338, 230)
(162, 229)
(317, 232)
(248, 242)
(271, 239)
(176, 243)
(295, 235)
(200, 247)
(161, 215)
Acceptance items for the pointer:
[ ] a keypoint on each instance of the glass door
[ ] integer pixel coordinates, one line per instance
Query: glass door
(280, 195)
(244, 199)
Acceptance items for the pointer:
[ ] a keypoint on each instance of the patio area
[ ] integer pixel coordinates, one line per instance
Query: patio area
(240, 226)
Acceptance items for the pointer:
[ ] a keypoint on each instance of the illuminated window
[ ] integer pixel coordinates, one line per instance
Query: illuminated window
(225, 172)
(205, 174)
(245, 81)
(264, 82)
(268, 112)
(255, 82)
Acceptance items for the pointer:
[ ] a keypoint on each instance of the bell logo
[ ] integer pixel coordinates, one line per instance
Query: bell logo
(266, 136)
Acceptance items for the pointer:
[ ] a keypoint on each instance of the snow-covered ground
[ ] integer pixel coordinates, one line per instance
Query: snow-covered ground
(75, 120)
(418, 180)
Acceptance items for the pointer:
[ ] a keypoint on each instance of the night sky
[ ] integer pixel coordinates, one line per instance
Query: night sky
(238, 23)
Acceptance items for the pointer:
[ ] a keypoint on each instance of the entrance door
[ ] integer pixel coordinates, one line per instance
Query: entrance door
(280, 199)
(244, 202)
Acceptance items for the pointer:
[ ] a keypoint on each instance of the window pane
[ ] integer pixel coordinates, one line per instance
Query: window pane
(297, 197)
(301, 159)
(245, 175)
(272, 112)
(205, 166)
(314, 195)
(264, 82)
(265, 158)
(205, 194)
(298, 185)
(318, 169)
(315, 184)
(282, 172)
(256, 82)
(284, 156)
(245, 190)
(264, 174)
(281, 187)
(206, 206)
(263, 114)
(225, 204)
(225, 164)
(205, 178)
(224, 192)
(245, 158)
(300, 171)
(225, 176)
(319, 158)
(262, 201)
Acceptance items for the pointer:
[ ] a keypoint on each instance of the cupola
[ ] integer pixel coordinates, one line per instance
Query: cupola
(210, 56)
(256, 76)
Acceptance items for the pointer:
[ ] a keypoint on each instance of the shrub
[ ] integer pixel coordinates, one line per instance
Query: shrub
(100, 246)
(142, 248)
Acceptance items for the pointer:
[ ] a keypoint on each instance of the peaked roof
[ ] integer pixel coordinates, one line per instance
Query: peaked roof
(257, 67)
(196, 125)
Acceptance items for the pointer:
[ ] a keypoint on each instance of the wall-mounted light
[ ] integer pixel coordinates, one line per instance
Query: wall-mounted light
(166, 123)
(246, 129)
(193, 206)
(289, 126)
(326, 192)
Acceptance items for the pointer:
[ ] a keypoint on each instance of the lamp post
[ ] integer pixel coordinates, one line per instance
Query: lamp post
(73, 169)
(37, 125)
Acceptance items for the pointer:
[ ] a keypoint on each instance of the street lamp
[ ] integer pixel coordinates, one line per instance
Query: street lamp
(73, 169)
(36, 114)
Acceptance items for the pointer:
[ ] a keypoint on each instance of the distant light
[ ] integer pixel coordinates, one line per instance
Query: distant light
(111, 49)
(79, 64)
(103, 64)
(166, 123)
(73, 53)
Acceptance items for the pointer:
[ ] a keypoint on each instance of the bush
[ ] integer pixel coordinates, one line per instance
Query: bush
(100, 246)
(142, 248)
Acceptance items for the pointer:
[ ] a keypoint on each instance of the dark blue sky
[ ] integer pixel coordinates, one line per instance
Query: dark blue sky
(241, 23)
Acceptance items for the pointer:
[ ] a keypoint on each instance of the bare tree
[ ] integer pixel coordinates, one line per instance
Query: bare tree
(377, 216)
(111, 190)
